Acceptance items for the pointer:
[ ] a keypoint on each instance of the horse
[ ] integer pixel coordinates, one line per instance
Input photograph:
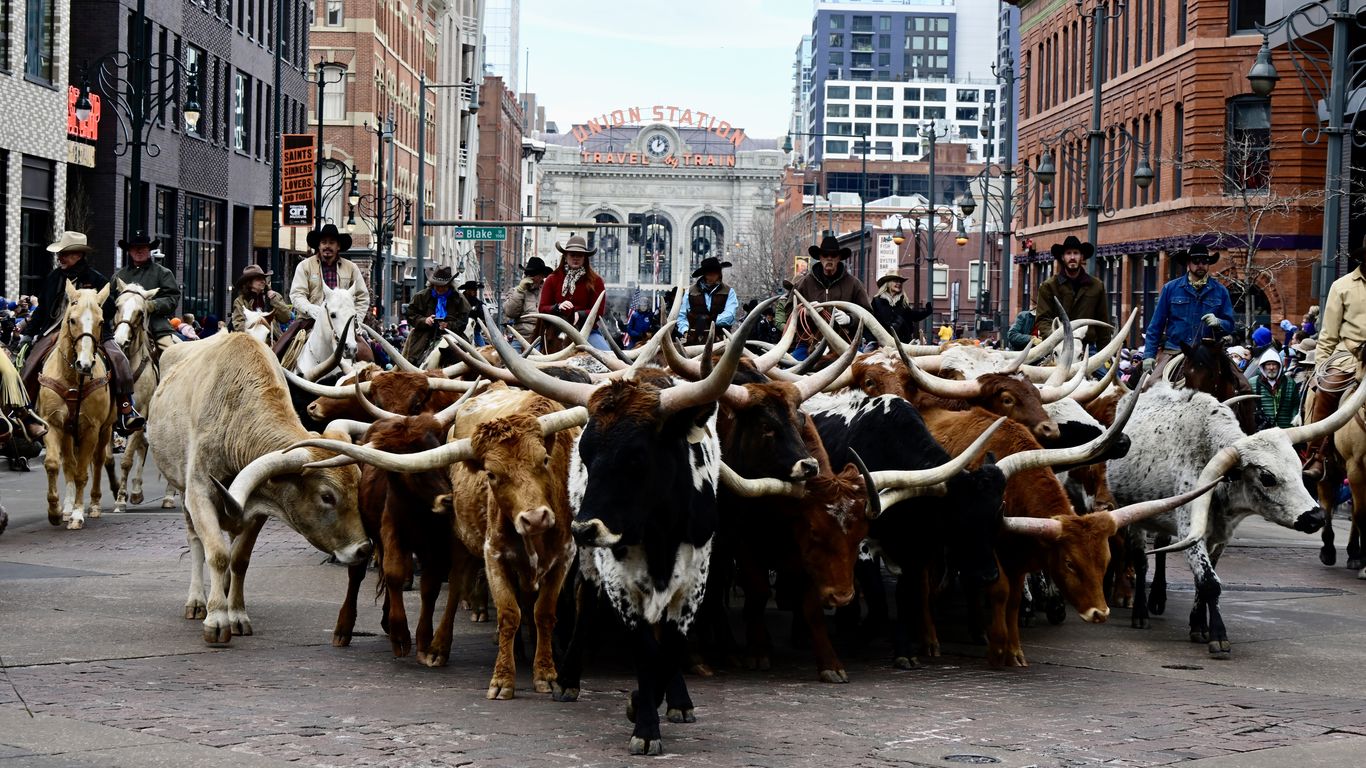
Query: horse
(256, 323)
(75, 401)
(1344, 459)
(332, 339)
(1207, 368)
(132, 317)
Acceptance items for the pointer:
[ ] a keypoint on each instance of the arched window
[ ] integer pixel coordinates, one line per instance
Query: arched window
(706, 240)
(607, 261)
(656, 249)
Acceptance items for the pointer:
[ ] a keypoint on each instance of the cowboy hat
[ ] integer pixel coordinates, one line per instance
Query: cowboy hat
(139, 238)
(1073, 244)
(536, 266)
(470, 285)
(70, 241)
(440, 275)
(250, 272)
(329, 230)
(710, 264)
(891, 275)
(1199, 249)
(830, 245)
(576, 244)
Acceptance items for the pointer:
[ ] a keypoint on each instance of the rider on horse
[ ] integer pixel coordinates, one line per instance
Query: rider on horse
(72, 268)
(1187, 306)
(433, 311)
(143, 271)
(324, 267)
(1340, 345)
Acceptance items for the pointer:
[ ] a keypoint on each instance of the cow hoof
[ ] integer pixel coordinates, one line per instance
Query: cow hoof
(675, 715)
(217, 634)
(1220, 649)
(119, 506)
(135, 498)
(559, 693)
(196, 610)
(75, 525)
(541, 686)
(402, 645)
(906, 662)
(1017, 659)
(433, 659)
(502, 691)
(479, 616)
(834, 676)
(1354, 564)
(1199, 636)
(1139, 622)
(340, 639)
(1328, 555)
(931, 650)
(1125, 602)
(241, 626)
(702, 669)
(641, 746)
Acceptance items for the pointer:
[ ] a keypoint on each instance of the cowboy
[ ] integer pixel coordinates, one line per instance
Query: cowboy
(1082, 296)
(73, 268)
(1188, 308)
(573, 288)
(254, 293)
(894, 311)
(144, 272)
(1279, 394)
(469, 290)
(432, 312)
(324, 267)
(525, 298)
(829, 281)
(1341, 335)
(709, 302)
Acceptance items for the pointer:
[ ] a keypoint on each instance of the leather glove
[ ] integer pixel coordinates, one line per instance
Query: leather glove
(1211, 320)
(840, 317)
(1148, 363)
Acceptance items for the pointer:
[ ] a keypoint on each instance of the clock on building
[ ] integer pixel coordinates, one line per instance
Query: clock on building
(658, 145)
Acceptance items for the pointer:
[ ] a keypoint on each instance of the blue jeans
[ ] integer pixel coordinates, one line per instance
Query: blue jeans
(596, 340)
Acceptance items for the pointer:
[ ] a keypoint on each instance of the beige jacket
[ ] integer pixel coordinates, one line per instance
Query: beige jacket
(306, 292)
(522, 301)
(1344, 316)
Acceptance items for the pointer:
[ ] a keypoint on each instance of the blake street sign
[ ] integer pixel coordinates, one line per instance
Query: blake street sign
(481, 233)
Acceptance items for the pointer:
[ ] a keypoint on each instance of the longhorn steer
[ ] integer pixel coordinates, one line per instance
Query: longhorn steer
(222, 415)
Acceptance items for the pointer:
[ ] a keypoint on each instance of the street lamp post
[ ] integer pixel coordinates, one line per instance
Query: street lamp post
(346, 178)
(381, 212)
(1096, 174)
(1315, 63)
(321, 77)
(863, 185)
(420, 237)
(125, 80)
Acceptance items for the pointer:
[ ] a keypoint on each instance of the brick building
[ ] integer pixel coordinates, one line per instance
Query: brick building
(1174, 76)
(206, 189)
(33, 150)
(500, 182)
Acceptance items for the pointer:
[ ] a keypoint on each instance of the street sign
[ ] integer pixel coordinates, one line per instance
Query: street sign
(481, 233)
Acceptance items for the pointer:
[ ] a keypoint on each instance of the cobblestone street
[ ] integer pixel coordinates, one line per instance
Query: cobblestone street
(94, 647)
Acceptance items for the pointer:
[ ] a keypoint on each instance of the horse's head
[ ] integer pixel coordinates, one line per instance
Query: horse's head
(257, 325)
(339, 312)
(84, 313)
(132, 309)
(1208, 369)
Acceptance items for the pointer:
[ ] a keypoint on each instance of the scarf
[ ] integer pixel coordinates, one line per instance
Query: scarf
(571, 279)
(1197, 285)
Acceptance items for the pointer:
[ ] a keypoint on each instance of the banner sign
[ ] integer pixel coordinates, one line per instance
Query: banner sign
(297, 168)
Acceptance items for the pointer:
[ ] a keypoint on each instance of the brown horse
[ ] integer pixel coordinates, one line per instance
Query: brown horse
(74, 400)
(1207, 368)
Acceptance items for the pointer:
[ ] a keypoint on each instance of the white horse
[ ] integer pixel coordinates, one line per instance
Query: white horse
(256, 324)
(332, 340)
(132, 318)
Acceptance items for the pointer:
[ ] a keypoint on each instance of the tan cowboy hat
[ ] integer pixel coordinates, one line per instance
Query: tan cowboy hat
(890, 276)
(440, 275)
(250, 272)
(577, 244)
(70, 241)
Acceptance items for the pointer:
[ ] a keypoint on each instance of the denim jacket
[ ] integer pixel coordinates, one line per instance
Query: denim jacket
(1179, 309)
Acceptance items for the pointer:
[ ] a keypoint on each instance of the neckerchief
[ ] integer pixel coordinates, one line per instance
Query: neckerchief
(571, 279)
(1200, 284)
(440, 304)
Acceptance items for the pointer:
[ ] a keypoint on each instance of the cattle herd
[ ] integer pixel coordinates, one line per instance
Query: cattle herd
(629, 493)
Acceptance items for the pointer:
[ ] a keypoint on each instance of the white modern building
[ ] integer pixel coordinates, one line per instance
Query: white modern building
(893, 117)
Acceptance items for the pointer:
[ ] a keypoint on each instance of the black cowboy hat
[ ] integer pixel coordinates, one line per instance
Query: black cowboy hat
(139, 238)
(440, 275)
(1072, 243)
(329, 230)
(577, 244)
(249, 272)
(470, 285)
(710, 264)
(536, 266)
(830, 245)
(1199, 249)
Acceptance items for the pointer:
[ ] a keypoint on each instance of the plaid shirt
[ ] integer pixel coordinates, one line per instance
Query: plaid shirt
(329, 274)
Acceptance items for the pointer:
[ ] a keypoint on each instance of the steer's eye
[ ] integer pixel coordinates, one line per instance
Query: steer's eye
(493, 478)
(328, 498)
(1268, 479)
(1008, 402)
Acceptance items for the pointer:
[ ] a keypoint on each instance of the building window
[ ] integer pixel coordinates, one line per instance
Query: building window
(195, 63)
(968, 95)
(974, 279)
(886, 129)
(837, 147)
(5, 22)
(836, 59)
(863, 93)
(839, 129)
(241, 102)
(836, 110)
(910, 130)
(607, 261)
(837, 21)
(910, 94)
(1178, 149)
(940, 281)
(934, 94)
(334, 93)
(965, 113)
(837, 92)
(35, 223)
(934, 113)
(708, 239)
(863, 110)
(38, 32)
(884, 111)
(204, 238)
(884, 23)
(1247, 151)
(884, 60)
(334, 13)
(884, 41)
(863, 23)
(165, 226)
(910, 113)
(656, 250)
(1245, 15)
(836, 40)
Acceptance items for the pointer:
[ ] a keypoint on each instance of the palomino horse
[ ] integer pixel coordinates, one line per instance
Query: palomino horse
(333, 336)
(1347, 461)
(74, 400)
(132, 315)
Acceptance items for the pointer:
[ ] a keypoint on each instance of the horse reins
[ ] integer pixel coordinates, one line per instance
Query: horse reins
(74, 396)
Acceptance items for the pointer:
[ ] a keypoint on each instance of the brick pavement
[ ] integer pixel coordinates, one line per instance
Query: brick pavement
(1093, 696)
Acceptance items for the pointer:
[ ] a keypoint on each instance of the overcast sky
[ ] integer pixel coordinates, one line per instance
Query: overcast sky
(729, 58)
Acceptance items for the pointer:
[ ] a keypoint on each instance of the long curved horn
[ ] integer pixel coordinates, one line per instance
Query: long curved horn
(390, 350)
(1304, 434)
(1036, 527)
(1227, 458)
(1047, 457)
(566, 419)
(813, 384)
(592, 319)
(408, 463)
(836, 342)
(775, 354)
(735, 396)
(563, 326)
(873, 509)
(1090, 390)
(533, 378)
(680, 296)
(893, 496)
(331, 362)
(1052, 394)
(693, 393)
(322, 390)
(371, 408)
(760, 486)
(1144, 509)
(446, 416)
(261, 469)
(1094, 362)
(1236, 399)
(476, 362)
(356, 429)
(440, 384)
(648, 352)
(610, 338)
(878, 330)
(940, 387)
(1018, 361)
(892, 479)
(813, 356)
(1063, 370)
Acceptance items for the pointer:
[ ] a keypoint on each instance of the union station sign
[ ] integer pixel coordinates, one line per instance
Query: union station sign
(657, 147)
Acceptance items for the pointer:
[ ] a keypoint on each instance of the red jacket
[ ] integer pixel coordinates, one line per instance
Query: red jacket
(585, 294)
